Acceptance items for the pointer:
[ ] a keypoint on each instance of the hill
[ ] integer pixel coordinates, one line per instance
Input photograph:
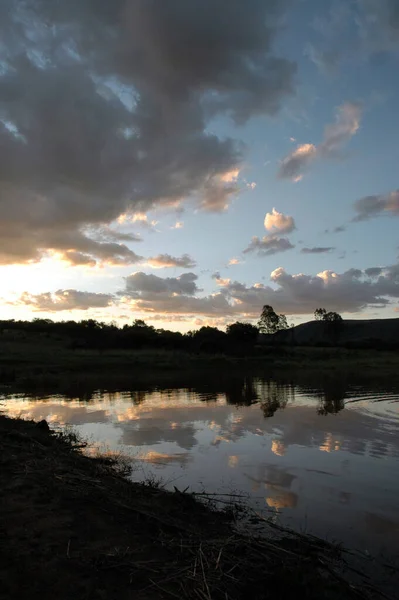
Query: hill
(374, 333)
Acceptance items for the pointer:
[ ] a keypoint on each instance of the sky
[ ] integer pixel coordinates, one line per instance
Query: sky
(187, 162)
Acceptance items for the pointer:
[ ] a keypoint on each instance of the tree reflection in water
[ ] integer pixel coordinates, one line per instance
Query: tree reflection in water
(234, 388)
(274, 396)
(243, 394)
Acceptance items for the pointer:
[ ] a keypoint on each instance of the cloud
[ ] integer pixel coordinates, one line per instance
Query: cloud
(139, 284)
(268, 245)
(65, 300)
(251, 185)
(380, 25)
(78, 248)
(140, 219)
(374, 271)
(106, 234)
(350, 291)
(338, 229)
(78, 259)
(374, 206)
(277, 222)
(336, 135)
(220, 281)
(346, 125)
(317, 250)
(172, 295)
(218, 192)
(297, 160)
(167, 261)
(98, 120)
(354, 32)
(230, 176)
(234, 261)
(178, 225)
(215, 305)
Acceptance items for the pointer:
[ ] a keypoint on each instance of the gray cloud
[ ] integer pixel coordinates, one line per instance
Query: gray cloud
(230, 53)
(141, 220)
(23, 244)
(374, 206)
(292, 165)
(268, 245)
(139, 284)
(79, 259)
(65, 300)
(354, 31)
(217, 195)
(215, 306)
(350, 291)
(374, 271)
(223, 282)
(107, 234)
(338, 229)
(317, 250)
(388, 17)
(104, 111)
(166, 260)
(336, 135)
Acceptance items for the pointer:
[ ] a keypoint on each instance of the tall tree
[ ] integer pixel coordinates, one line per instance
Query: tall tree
(333, 317)
(270, 321)
(319, 314)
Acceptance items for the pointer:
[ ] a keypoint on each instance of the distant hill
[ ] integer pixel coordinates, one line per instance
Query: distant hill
(374, 333)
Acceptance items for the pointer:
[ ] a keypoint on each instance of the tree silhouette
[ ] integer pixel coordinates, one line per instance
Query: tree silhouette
(270, 321)
(320, 314)
(243, 333)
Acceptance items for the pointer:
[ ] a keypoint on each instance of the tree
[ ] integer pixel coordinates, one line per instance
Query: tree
(140, 324)
(270, 321)
(242, 332)
(321, 314)
(332, 322)
(90, 324)
(333, 317)
(139, 335)
(209, 339)
(282, 322)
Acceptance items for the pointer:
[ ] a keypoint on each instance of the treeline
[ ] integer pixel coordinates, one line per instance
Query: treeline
(239, 338)
(92, 334)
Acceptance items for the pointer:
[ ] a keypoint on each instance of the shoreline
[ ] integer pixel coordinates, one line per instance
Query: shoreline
(73, 524)
(49, 368)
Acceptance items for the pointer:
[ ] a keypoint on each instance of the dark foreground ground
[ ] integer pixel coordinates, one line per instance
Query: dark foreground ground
(72, 527)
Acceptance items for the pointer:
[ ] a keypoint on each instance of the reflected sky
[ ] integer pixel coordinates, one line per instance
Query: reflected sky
(324, 460)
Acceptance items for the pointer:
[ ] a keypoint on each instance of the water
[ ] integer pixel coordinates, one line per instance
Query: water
(322, 460)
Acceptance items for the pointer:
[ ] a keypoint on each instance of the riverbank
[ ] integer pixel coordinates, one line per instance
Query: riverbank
(49, 366)
(73, 526)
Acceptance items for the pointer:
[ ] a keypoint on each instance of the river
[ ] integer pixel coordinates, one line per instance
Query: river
(324, 460)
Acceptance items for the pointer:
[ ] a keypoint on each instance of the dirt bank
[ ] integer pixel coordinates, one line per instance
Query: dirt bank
(72, 527)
